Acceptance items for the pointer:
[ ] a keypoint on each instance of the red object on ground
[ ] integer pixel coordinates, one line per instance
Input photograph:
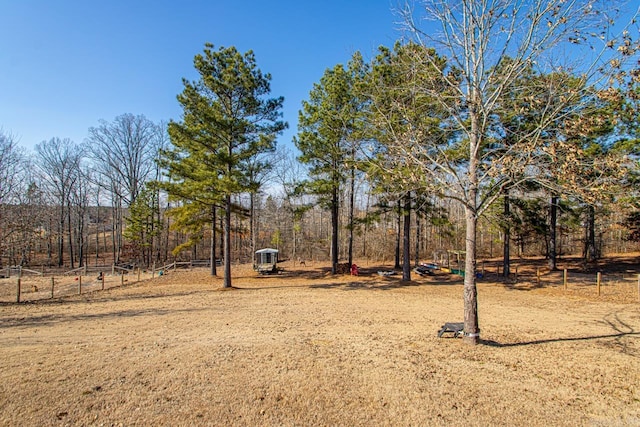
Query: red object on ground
(354, 270)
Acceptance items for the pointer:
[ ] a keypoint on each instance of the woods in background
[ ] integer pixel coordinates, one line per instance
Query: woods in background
(482, 143)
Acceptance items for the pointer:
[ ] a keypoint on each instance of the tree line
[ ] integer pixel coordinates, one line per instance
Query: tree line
(446, 139)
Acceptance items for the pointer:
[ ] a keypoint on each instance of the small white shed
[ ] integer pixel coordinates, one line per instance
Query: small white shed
(266, 260)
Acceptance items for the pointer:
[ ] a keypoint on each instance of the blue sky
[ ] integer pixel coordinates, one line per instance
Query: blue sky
(66, 64)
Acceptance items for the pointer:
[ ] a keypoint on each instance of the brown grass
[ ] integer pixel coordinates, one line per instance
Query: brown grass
(306, 348)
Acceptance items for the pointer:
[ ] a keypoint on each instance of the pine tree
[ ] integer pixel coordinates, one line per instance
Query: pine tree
(328, 133)
(143, 225)
(227, 121)
(402, 115)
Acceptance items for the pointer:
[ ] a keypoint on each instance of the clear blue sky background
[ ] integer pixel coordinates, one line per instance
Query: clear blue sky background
(66, 64)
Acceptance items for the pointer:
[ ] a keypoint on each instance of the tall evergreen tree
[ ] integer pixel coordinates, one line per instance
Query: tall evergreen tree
(227, 120)
(401, 115)
(327, 137)
(626, 100)
(143, 225)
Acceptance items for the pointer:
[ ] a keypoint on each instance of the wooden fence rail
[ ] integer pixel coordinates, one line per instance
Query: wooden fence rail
(20, 284)
(17, 270)
(15, 286)
(599, 282)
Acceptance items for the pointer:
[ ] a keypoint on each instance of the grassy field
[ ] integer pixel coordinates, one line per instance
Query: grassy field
(305, 348)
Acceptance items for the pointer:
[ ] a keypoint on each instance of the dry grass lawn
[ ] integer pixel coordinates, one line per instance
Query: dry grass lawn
(305, 348)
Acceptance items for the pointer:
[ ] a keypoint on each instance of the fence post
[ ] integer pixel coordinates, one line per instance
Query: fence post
(18, 290)
(53, 282)
(80, 284)
(564, 278)
(598, 277)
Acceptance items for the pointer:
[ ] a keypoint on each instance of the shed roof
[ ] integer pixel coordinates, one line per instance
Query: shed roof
(267, 251)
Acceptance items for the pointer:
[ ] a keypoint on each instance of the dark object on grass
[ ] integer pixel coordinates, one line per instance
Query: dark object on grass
(457, 329)
(423, 270)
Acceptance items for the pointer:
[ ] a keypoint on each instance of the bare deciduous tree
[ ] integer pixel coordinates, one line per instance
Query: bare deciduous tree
(124, 153)
(488, 44)
(124, 150)
(58, 163)
(12, 168)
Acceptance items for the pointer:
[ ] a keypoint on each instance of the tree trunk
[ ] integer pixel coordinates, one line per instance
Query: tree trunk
(70, 240)
(471, 327)
(212, 254)
(252, 224)
(227, 242)
(351, 209)
(398, 235)
(49, 243)
(553, 219)
(334, 231)
(417, 246)
(98, 234)
(506, 260)
(114, 230)
(61, 238)
(365, 253)
(590, 253)
(81, 240)
(406, 240)
(294, 242)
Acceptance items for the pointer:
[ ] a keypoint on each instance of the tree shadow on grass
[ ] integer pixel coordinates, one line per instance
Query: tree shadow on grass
(621, 329)
(368, 285)
(346, 286)
(492, 343)
(360, 282)
(50, 319)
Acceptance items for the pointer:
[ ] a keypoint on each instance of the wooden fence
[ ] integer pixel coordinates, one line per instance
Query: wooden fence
(597, 283)
(18, 284)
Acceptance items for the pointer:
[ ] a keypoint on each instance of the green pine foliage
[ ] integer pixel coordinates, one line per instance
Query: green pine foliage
(329, 129)
(143, 225)
(228, 119)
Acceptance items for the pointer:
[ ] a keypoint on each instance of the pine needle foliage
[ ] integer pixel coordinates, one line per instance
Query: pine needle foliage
(228, 119)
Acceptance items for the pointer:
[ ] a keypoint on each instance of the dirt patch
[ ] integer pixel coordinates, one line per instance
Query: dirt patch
(307, 348)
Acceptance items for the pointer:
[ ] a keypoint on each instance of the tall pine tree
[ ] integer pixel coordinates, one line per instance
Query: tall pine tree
(228, 119)
(328, 134)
